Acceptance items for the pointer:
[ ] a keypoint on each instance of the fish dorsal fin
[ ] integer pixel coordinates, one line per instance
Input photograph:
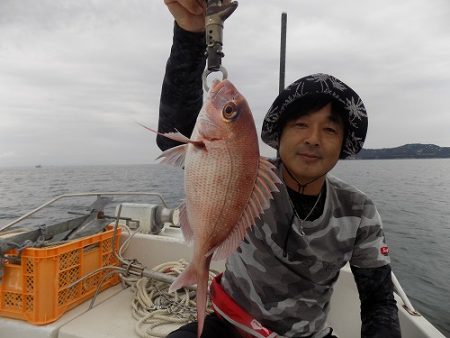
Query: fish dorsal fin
(186, 229)
(174, 156)
(265, 185)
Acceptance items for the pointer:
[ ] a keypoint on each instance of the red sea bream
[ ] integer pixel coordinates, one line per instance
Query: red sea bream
(227, 184)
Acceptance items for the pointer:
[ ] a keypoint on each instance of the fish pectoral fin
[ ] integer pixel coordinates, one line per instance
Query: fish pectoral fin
(259, 200)
(174, 156)
(177, 136)
(186, 229)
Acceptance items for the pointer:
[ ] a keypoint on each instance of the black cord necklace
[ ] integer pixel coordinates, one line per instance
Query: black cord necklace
(301, 189)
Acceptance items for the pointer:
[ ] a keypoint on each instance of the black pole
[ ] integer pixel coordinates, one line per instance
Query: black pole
(283, 51)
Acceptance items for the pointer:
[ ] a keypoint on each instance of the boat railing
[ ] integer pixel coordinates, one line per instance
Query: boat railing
(402, 294)
(83, 194)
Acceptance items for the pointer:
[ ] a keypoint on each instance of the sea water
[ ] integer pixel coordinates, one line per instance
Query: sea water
(412, 196)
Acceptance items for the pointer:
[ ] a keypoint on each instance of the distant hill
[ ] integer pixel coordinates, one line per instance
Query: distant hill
(415, 150)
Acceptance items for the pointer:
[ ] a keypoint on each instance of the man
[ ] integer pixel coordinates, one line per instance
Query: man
(282, 275)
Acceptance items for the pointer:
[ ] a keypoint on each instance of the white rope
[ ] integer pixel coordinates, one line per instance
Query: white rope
(153, 306)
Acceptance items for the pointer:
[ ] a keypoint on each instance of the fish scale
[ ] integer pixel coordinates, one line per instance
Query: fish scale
(211, 193)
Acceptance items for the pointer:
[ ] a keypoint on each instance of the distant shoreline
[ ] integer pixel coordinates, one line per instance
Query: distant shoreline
(412, 151)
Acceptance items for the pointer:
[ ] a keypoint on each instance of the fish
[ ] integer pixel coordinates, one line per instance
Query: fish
(228, 185)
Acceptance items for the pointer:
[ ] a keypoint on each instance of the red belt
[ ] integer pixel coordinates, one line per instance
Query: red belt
(225, 307)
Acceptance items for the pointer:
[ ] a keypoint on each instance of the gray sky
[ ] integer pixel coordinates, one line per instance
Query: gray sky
(75, 75)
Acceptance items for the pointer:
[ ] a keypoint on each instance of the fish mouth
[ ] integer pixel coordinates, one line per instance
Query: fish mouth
(218, 85)
(215, 84)
(224, 91)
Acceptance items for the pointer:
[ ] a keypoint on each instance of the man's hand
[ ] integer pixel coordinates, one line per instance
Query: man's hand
(189, 14)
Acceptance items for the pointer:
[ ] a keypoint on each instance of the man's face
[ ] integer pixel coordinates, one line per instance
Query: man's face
(310, 145)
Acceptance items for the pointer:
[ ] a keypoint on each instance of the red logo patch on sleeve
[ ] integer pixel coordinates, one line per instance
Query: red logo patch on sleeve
(384, 250)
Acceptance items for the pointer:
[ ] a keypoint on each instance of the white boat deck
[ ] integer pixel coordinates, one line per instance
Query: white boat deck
(111, 316)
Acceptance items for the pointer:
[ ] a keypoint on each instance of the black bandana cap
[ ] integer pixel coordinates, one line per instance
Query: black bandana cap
(354, 110)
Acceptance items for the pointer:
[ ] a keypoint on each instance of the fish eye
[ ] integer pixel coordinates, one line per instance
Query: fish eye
(230, 111)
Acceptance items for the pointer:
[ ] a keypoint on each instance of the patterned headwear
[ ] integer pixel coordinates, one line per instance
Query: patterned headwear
(354, 110)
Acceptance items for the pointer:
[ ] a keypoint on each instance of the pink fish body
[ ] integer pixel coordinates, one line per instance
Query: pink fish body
(227, 184)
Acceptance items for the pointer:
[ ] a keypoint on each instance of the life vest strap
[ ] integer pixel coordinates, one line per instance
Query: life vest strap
(225, 307)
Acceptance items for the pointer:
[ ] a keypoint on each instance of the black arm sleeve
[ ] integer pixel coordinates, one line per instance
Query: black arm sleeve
(379, 315)
(182, 93)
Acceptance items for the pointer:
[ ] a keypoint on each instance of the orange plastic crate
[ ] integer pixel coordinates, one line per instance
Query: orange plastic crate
(37, 290)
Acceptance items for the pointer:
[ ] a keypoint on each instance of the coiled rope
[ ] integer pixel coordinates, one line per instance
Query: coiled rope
(154, 307)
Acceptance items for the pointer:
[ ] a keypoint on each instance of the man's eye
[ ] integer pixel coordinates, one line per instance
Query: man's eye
(331, 130)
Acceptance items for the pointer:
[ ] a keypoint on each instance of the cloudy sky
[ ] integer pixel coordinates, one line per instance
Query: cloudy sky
(75, 75)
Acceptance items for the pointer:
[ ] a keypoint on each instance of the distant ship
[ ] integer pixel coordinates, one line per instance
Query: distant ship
(38, 166)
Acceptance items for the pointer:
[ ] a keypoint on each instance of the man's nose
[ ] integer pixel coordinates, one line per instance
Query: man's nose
(313, 136)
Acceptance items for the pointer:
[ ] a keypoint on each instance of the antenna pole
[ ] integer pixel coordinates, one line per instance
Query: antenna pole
(283, 51)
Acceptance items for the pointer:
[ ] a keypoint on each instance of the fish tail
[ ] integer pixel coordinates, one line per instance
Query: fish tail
(186, 278)
(202, 293)
(196, 274)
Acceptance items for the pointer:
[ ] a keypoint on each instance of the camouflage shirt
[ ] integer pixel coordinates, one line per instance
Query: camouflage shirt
(290, 293)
